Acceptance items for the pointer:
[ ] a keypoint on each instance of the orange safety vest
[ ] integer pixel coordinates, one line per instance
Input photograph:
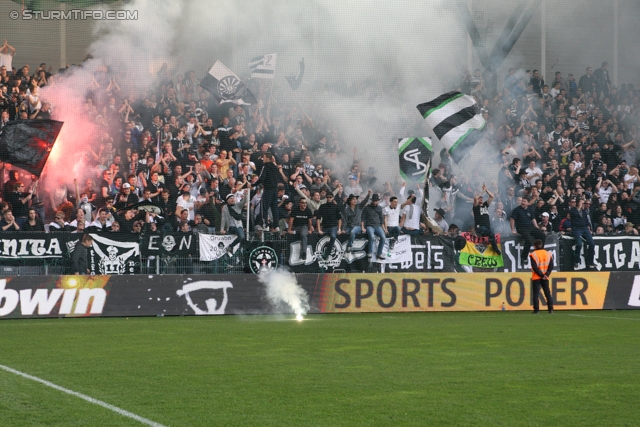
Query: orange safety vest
(543, 259)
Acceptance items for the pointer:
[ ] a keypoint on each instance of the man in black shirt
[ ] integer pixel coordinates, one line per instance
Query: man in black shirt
(328, 217)
(300, 222)
(19, 201)
(483, 220)
(269, 181)
(523, 223)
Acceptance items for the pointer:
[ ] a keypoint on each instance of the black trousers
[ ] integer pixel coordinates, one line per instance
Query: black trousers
(536, 285)
(528, 236)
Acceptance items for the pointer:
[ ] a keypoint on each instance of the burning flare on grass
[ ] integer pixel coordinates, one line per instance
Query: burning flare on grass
(282, 289)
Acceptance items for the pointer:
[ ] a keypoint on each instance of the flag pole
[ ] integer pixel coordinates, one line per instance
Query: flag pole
(248, 204)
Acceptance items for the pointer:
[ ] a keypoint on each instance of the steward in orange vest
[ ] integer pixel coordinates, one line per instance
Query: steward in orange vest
(541, 267)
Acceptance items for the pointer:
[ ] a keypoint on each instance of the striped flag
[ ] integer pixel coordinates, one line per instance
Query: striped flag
(455, 120)
(263, 67)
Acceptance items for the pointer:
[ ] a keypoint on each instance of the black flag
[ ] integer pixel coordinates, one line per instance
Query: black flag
(28, 143)
(225, 86)
(294, 82)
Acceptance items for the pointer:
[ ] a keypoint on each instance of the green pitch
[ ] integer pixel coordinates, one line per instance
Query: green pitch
(483, 369)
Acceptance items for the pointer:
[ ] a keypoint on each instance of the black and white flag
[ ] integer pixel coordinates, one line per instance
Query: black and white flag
(225, 86)
(456, 120)
(109, 256)
(263, 67)
(213, 246)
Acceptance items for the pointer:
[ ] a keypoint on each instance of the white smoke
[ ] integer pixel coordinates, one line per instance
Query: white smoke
(283, 291)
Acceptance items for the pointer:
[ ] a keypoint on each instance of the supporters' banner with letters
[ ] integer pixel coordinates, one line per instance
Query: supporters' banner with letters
(512, 247)
(479, 253)
(213, 246)
(31, 246)
(170, 244)
(612, 253)
(411, 253)
(455, 119)
(225, 86)
(28, 143)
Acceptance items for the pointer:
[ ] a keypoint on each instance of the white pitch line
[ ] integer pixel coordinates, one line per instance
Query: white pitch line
(84, 397)
(603, 317)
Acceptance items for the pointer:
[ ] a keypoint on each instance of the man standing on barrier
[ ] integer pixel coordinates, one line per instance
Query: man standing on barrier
(269, 181)
(328, 218)
(372, 220)
(524, 224)
(482, 219)
(300, 223)
(541, 267)
(581, 230)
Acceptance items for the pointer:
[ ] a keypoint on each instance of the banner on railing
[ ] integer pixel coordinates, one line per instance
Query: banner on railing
(213, 246)
(24, 246)
(612, 253)
(169, 244)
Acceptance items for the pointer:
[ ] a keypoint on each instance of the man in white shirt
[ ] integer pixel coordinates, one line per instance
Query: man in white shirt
(533, 173)
(631, 178)
(392, 221)
(410, 222)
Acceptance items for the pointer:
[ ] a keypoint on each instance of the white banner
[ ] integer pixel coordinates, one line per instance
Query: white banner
(213, 246)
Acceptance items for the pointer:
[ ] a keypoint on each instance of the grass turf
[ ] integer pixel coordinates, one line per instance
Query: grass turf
(502, 369)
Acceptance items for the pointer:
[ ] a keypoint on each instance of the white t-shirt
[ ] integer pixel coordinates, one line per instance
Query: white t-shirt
(604, 194)
(392, 215)
(412, 217)
(535, 170)
(627, 177)
(188, 205)
(6, 59)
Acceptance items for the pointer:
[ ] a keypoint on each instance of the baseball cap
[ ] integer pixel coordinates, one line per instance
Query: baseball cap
(126, 185)
(545, 214)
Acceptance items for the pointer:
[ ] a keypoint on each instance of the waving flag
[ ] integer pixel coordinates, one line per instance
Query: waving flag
(414, 155)
(28, 143)
(263, 67)
(226, 86)
(415, 158)
(294, 81)
(455, 120)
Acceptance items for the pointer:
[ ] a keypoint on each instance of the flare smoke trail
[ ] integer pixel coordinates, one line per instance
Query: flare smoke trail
(283, 289)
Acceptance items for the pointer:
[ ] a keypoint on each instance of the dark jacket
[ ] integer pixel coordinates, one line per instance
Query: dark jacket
(372, 216)
(353, 217)
(79, 259)
(269, 176)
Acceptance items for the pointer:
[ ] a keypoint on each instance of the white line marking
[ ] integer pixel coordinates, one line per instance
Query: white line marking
(604, 317)
(84, 397)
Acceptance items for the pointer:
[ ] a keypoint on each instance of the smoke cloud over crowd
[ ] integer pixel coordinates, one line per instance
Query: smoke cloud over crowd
(365, 73)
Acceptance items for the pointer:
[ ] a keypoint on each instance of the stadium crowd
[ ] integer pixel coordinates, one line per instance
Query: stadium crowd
(175, 160)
